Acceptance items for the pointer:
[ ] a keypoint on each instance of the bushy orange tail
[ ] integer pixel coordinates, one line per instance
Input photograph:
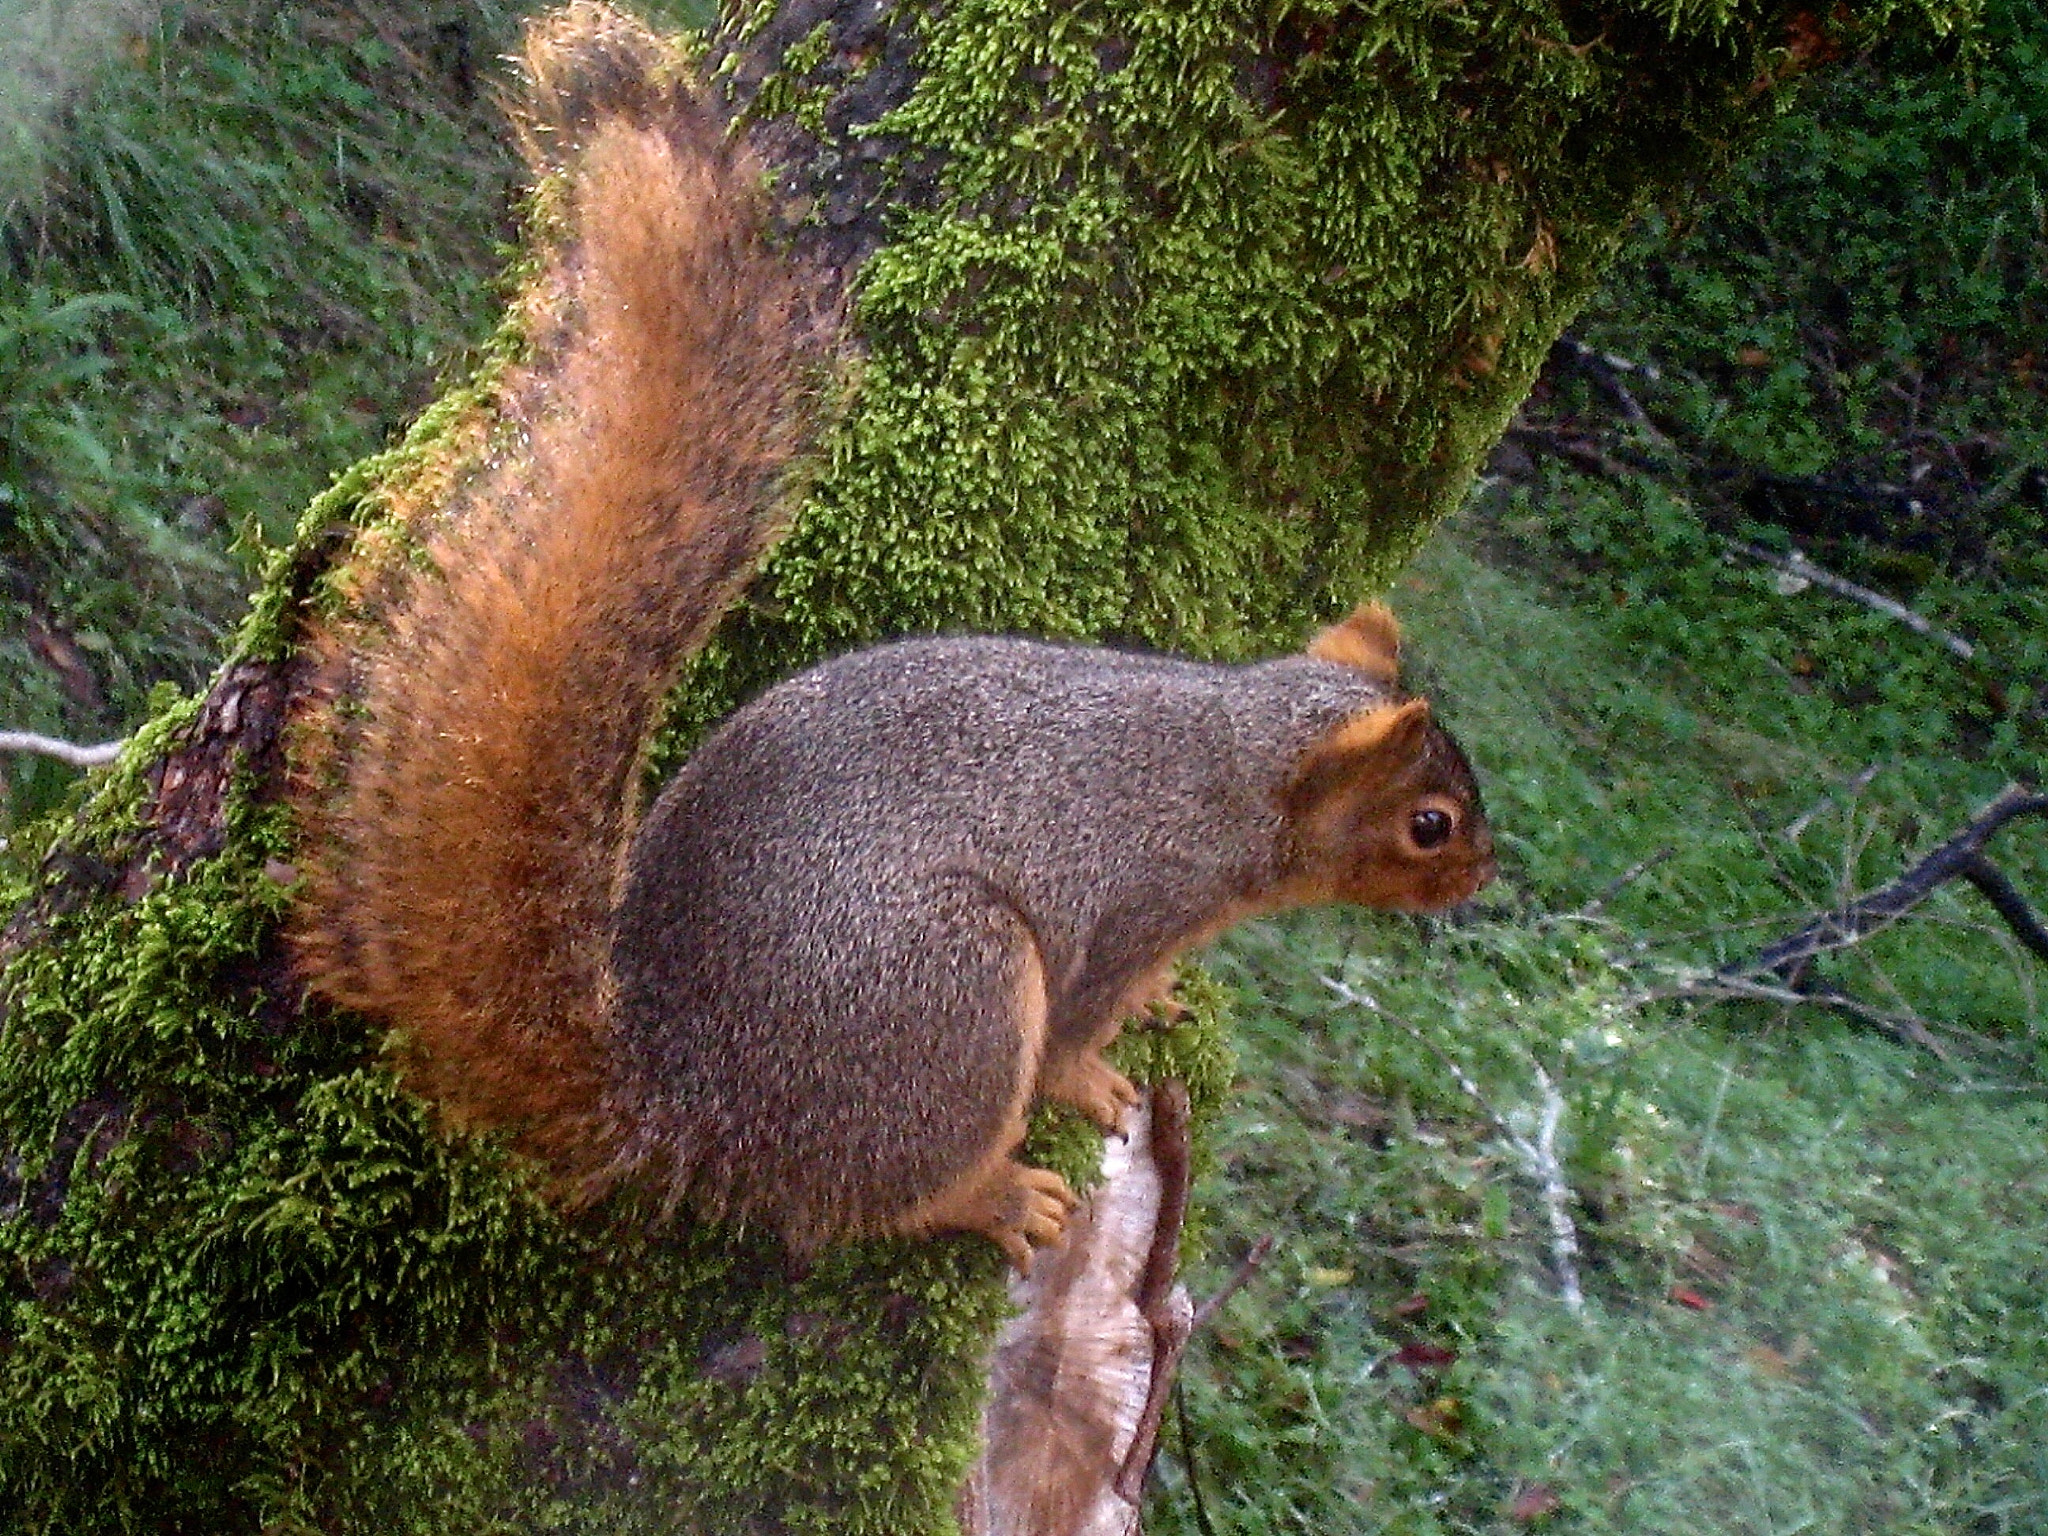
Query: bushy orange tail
(461, 879)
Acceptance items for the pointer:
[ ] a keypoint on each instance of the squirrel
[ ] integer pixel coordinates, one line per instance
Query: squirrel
(886, 905)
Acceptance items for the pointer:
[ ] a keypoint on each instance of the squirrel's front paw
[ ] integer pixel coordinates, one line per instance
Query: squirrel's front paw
(1015, 1207)
(1092, 1086)
(1033, 1216)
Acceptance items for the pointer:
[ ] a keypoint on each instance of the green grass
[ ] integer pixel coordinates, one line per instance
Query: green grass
(238, 251)
(1862, 298)
(241, 246)
(1812, 1258)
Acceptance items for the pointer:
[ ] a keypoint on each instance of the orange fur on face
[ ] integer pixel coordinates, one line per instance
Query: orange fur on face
(1354, 804)
(1368, 743)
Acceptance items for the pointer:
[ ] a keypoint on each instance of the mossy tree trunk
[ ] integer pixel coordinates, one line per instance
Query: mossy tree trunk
(1180, 322)
(1186, 320)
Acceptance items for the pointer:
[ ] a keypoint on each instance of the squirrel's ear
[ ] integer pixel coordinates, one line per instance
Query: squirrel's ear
(1366, 745)
(1369, 640)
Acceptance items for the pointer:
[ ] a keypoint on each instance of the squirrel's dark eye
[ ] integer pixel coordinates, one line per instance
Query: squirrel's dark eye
(1431, 828)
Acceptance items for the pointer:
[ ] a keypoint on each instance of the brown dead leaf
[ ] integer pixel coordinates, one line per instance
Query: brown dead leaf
(1532, 1502)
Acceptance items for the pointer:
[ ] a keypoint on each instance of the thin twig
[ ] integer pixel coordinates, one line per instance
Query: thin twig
(1605, 370)
(1904, 1027)
(1187, 1460)
(1796, 564)
(1246, 1268)
(1174, 1323)
(1163, 1304)
(1796, 827)
(64, 751)
(1538, 1158)
(1624, 880)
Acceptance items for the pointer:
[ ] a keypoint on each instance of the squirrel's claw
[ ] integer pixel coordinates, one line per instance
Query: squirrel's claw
(1035, 1217)
(1018, 1208)
(1094, 1087)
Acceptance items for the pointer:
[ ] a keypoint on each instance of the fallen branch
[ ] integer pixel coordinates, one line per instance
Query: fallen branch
(1796, 564)
(1962, 856)
(64, 751)
(1674, 463)
(1779, 973)
(1538, 1157)
(1163, 1305)
(1131, 1480)
(2007, 902)
(1188, 1460)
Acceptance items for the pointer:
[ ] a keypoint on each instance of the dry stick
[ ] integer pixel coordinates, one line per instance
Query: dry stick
(1130, 1482)
(1163, 1304)
(1539, 1157)
(1796, 564)
(64, 751)
(1962, 855)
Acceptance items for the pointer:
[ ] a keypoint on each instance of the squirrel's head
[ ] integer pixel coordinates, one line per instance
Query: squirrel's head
(1384, 807)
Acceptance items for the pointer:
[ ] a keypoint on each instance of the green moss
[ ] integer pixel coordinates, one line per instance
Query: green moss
(1214, 308)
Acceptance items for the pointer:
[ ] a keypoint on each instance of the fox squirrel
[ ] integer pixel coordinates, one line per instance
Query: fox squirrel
(887, 904)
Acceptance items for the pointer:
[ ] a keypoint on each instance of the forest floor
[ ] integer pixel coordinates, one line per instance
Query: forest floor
(1808, 1249)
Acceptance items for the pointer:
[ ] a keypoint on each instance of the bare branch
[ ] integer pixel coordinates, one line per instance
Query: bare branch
(64, 751)
(1961, 856)
(1796, 564)
(1905, 1027)
(2007, 902)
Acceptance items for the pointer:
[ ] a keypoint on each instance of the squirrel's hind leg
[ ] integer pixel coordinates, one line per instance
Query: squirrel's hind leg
(1015, 1206)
